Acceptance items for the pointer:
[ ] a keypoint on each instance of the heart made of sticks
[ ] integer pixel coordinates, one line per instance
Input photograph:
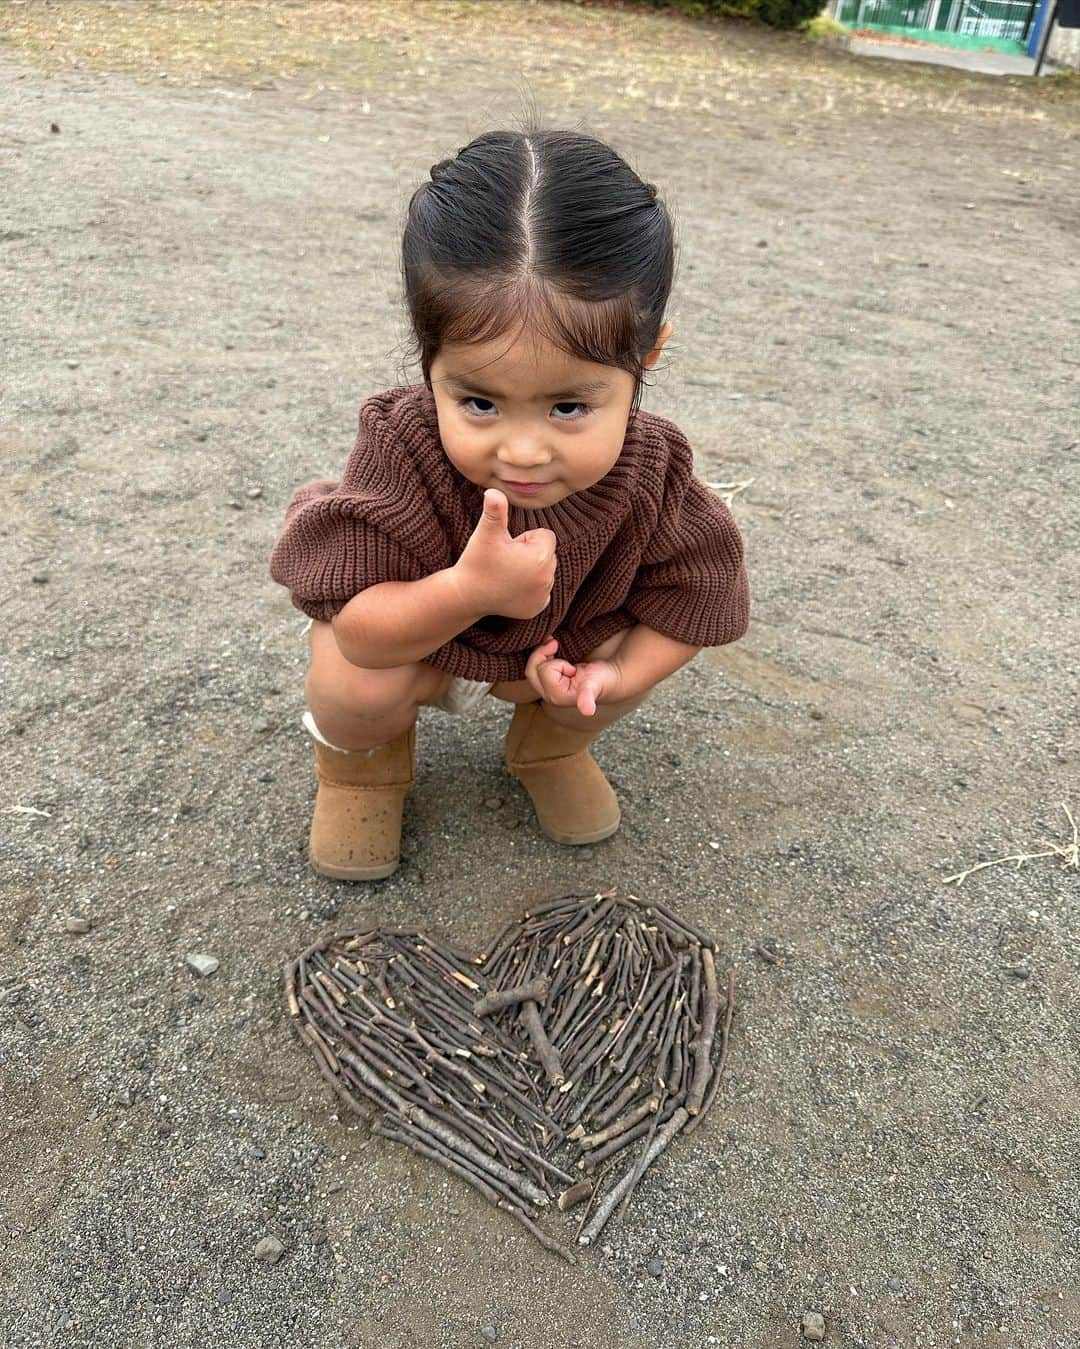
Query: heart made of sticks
(554, 1068)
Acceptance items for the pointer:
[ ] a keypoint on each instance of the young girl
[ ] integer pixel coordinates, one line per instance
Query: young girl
(514, 526)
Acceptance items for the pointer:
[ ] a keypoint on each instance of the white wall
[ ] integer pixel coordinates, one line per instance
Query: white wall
(1064, 47)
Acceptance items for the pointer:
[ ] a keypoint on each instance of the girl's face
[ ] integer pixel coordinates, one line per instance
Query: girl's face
(537, 423)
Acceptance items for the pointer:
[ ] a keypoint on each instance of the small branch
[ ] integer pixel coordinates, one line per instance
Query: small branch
(534, 991)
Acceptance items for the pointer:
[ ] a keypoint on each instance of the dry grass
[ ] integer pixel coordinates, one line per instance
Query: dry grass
(618, 57)
(1069, 851)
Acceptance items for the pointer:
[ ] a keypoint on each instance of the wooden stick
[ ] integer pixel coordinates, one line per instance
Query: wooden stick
(545, 1050)
(701, 1046)
(534, 991)
(647, 1107)
(576, 1194)
(714, 1087)
(618, 1192)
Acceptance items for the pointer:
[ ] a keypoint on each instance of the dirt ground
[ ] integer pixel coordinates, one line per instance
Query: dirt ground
(876, 321)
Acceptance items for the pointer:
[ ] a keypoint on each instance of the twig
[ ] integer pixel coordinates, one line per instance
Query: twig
(605, 1209)
(1069, 851)
(534, 991)
(545, 1050)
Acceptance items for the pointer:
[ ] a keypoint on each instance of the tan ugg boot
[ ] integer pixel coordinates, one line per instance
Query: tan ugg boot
(356, 827)
(574, 801)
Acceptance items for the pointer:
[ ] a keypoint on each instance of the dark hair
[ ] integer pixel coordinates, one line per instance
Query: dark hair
(551, 227)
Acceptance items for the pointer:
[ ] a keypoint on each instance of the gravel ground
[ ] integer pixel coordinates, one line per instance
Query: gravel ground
(876, 322)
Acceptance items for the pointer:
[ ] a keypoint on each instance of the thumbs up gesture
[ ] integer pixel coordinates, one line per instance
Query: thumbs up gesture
(503, 575)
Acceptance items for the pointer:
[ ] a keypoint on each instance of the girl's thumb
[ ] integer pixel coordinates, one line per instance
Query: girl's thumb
(496, 508)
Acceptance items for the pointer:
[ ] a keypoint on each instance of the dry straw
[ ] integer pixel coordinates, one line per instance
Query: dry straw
(1069, 852)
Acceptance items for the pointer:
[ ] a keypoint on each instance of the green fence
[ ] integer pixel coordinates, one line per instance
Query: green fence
(1004, 25)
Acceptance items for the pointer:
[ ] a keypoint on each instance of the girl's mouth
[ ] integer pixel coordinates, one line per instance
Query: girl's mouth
(526, 488)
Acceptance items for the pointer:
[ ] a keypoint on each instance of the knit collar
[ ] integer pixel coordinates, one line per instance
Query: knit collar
(574, 514)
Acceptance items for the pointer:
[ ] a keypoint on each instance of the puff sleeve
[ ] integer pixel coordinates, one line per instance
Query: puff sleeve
(331, 548)
(691, 583)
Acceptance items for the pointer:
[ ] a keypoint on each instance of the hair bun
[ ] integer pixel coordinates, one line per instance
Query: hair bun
(437, 170)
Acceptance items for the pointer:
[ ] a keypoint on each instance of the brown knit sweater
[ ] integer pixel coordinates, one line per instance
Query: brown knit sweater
(649, 543)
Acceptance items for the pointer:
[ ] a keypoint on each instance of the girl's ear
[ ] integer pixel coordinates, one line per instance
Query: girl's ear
(662, 336)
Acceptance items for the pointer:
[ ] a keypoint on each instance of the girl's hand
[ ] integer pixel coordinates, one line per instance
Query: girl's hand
(566, 685)
(500, 574)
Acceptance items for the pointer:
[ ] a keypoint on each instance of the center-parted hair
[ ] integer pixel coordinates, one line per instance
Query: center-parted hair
(548, 227)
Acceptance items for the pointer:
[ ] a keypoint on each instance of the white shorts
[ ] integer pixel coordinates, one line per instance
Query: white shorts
(462, 696)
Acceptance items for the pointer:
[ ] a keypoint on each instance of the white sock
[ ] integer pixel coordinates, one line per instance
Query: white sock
(313, 730)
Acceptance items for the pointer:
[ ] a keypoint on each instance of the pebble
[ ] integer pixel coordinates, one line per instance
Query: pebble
(202, 964)
(235, 505)
(489, 1333)
(585, 854)
(266, 776)
(75, 923)
(654, 1267)
(894, 1285)
(39, 579)
(254, 493)
(257, 1153)
(813, 1327)
(1018, 971)
(269, 1250)
(493, 802)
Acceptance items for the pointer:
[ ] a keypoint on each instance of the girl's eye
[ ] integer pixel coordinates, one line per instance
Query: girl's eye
(489, 407)
(482, 413)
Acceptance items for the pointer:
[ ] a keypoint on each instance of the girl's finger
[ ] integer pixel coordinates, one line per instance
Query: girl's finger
(586, 702)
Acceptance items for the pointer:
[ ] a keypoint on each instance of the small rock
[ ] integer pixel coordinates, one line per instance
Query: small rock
(202, 965)
(257, 1153)
(893, 1284)
(266, 776)
(585, 854)
(654, 1267)
(269, 1250)
(813, 1327)
(1018, 971)
(74, 923)
(489, 1333)
(816, 714)
(335, 1187)
(72, 365)
(493, 802)
(54, 128)
(235, 505)
(254, 493)
(40, 579)
(200, 436)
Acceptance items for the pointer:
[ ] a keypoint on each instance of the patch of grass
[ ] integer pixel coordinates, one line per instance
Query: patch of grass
(824, 26)
(618, 56)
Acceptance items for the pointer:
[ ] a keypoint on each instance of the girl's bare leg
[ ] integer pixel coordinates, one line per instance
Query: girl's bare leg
(359, 709)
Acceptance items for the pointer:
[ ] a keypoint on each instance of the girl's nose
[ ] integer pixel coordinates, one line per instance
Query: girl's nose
(524, 454)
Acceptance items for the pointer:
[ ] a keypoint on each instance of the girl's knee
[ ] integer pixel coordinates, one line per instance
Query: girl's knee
(339, 687)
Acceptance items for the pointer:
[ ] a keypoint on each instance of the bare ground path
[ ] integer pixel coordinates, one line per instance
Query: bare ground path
(877, 322)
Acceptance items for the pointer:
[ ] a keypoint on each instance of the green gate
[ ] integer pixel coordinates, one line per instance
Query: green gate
(1004, 25)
